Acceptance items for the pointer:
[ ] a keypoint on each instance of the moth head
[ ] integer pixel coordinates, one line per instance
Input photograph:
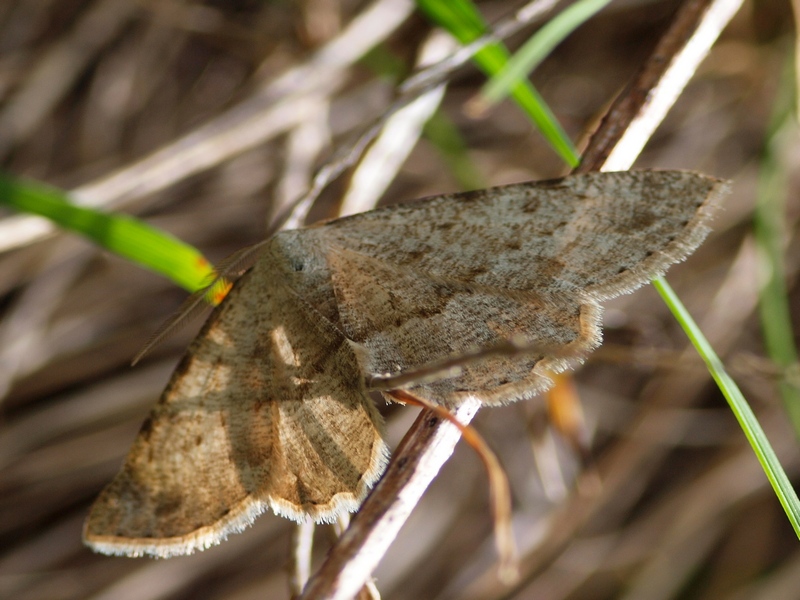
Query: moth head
(296, 253)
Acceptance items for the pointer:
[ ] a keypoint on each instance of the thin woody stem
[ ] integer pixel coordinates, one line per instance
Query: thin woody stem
(300, 567)
(635, 115)
(500, 491)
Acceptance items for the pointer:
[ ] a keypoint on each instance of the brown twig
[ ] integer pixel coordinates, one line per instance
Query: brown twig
(499, 490)
(634, 116)
(350, 563)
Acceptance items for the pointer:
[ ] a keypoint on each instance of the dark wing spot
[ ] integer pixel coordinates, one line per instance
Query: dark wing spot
(531, 206)
(147, 428)
(416, 253)
(640, 222)
(168, 504)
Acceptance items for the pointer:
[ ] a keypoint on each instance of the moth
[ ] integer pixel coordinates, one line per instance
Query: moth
(269, 408)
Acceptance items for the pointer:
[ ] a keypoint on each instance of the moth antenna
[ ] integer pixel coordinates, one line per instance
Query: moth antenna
(188, 311)
(229, 270)
(234, 265)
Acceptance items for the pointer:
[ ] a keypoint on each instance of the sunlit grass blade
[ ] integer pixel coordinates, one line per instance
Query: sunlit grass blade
(538, 47)
(741, 409)
(121, 234)
(463, 21)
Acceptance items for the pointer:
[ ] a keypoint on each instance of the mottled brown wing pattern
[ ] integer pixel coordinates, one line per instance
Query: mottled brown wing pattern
(267, 410)
(434, 278)
(577, 233)
(405, 320)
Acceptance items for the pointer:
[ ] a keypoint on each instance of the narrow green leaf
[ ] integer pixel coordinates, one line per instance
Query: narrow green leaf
(741, 409)
(538, 47)
(120, 234)
(463, 21)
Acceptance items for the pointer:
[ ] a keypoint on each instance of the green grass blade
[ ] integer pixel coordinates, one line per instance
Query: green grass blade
(741, 409)
(538, 47)
(463, 21)
(121, 234)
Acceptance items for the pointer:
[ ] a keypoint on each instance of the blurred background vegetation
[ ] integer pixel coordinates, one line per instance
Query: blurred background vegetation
(242, 102)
